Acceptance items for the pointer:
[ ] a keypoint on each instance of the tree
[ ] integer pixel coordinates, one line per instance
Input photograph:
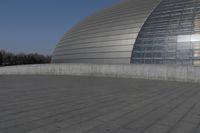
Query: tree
(1, 58)
(7, 58)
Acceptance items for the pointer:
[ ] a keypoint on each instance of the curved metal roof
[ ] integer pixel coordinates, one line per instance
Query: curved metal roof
(107, 36)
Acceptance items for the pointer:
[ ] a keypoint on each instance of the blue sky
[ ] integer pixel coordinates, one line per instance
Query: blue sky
(37, 25)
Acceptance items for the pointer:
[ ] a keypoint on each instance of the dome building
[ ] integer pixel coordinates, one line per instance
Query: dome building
(136, 31)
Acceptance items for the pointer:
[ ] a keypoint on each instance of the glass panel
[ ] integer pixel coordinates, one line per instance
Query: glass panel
(173, 33)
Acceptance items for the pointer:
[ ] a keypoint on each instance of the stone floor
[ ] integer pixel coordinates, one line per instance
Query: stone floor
(67, 104)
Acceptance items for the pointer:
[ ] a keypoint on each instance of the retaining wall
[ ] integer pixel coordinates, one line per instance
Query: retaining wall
(159, 72)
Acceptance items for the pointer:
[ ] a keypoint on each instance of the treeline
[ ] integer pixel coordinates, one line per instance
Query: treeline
(8, 58)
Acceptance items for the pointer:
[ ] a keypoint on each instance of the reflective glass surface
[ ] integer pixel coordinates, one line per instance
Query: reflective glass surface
(171, 35)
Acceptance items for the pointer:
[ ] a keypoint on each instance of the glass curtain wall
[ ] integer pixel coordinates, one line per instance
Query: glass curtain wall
(171, 35)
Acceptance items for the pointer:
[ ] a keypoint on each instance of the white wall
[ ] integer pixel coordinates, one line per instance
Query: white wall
(159, 72)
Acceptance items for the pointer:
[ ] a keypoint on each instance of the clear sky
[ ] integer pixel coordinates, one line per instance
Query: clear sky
(37, 25)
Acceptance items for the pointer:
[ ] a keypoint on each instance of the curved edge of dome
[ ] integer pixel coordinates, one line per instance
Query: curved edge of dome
(107, 36)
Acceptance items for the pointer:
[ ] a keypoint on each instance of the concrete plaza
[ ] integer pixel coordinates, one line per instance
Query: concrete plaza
(75, 104)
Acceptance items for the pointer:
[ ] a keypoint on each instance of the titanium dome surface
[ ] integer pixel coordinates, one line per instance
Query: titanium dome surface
(136, 31)
(107, 36)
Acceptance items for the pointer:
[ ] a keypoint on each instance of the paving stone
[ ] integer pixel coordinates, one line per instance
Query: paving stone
(77, 104)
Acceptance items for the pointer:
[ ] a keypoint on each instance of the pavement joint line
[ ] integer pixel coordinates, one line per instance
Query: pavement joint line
(136, 109)
(188, 111)
(35, 108)
(114, 101)
(147, 112)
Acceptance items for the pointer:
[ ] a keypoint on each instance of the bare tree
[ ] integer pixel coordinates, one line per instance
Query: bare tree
(1, 58)
(7, 58)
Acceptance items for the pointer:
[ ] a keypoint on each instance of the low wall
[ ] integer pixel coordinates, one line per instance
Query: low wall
(159, 72)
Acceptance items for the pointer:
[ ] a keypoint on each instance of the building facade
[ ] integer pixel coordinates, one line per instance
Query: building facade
(136, 31)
